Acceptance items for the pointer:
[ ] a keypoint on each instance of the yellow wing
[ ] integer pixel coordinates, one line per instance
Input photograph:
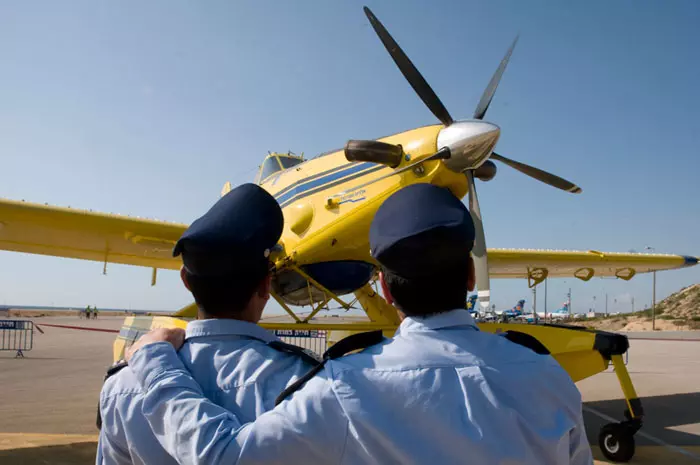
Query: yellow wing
(67, 232)
(523, 263)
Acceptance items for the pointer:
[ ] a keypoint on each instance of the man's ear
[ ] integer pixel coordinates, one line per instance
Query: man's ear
(265, 287)
(183, 276)
(471, 278)
(385, 289)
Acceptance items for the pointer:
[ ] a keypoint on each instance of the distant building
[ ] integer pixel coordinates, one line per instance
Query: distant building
(594, 314)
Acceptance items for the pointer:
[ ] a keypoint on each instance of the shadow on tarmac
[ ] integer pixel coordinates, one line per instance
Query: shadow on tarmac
(80, 453)
(660, 414)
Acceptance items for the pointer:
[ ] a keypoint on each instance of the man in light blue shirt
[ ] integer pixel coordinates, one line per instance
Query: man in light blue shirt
(439, 392)
(238, 364)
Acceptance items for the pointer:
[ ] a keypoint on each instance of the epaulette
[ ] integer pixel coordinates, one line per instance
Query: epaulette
(526, 340)
(305, 354)
(111, 371)
(115, 368)
(337, 350)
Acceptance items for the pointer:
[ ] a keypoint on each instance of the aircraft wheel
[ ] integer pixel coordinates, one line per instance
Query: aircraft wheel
(616, 442)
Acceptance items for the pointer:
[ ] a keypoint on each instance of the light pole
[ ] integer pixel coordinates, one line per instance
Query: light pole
(534, 304)
(653, 302)
(653, 294)
(606, 304)
(545, 300)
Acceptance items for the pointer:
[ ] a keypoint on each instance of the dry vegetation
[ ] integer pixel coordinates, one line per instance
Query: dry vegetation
(679, 311)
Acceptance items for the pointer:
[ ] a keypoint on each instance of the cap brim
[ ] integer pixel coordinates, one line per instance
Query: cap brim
(177, 250)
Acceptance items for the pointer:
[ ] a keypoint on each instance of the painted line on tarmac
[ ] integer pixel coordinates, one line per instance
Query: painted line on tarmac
(651, 438)
(82, 328)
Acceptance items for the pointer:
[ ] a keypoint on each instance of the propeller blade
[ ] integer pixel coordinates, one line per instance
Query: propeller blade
(543, 176)
(490, 90)
(410, 72)
(481, 262)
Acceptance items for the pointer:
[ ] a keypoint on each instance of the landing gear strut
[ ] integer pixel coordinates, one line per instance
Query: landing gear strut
(616, 440)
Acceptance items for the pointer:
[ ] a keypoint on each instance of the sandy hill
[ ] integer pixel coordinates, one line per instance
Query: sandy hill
(684, 304)
(679, 311)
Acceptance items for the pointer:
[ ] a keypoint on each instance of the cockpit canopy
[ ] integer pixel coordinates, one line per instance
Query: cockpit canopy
(276, 162)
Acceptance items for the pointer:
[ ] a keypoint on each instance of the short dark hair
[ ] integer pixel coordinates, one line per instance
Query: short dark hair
(224, 296)
(439, 292)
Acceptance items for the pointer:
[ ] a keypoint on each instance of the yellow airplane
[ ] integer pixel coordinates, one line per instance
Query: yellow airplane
(329, 202)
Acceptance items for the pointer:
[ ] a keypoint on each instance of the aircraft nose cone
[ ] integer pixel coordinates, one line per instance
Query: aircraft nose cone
(470, 143)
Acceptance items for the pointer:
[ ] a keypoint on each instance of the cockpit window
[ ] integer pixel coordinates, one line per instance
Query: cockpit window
(270, 166)
(288, 162)
(276, 163)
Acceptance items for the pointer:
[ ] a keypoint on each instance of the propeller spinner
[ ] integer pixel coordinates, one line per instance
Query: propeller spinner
(469, 143)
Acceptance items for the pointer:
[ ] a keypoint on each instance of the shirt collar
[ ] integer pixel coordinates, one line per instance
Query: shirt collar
(228, 327)
(450, 319)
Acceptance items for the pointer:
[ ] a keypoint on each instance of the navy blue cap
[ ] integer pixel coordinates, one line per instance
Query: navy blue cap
(235, 236)
(421, 229)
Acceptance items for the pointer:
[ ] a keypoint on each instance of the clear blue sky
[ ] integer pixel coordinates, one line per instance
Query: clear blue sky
(149, 108)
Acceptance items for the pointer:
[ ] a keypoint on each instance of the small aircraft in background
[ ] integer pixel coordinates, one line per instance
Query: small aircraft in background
(516, 311)
(562, 313)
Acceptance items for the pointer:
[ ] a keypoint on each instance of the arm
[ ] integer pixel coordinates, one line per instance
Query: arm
(310, 427)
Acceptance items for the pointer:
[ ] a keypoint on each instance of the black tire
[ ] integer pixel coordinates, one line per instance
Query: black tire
(616, 442)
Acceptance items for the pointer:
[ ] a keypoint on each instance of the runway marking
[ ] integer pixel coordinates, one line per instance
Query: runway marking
(651, 438)
(82, 328)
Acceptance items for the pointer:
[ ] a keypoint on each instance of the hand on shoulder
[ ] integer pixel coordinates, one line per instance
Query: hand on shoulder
(175, 336)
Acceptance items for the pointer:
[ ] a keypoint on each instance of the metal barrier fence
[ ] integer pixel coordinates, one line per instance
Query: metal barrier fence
(312, 340)
(16, 335)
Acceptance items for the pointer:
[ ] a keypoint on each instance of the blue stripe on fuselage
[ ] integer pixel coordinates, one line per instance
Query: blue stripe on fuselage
(356, 168)
(306, 179)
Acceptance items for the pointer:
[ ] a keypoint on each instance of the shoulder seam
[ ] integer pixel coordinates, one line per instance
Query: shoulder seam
(121, 394)
(427, 367)
(345, 443)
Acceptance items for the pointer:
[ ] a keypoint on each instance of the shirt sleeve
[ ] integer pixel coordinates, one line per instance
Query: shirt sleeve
(310, 427)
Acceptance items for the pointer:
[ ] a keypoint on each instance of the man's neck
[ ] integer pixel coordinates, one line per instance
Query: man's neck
(240, 316)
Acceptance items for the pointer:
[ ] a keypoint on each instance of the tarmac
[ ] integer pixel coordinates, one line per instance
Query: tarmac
(49, 398)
